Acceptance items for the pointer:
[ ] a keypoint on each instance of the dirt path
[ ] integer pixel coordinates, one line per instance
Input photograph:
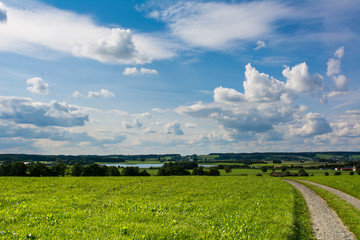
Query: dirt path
(350, 199)
(325, 223)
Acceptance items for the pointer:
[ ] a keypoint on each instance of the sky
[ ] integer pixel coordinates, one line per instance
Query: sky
(188, 77)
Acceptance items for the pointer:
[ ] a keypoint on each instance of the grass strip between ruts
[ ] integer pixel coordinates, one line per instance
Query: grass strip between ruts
(302, 221)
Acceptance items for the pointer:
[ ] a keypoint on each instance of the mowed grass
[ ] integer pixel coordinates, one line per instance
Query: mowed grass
(190, 207)
(345, 182)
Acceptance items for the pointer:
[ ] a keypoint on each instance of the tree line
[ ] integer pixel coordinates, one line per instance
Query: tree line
(21, 169)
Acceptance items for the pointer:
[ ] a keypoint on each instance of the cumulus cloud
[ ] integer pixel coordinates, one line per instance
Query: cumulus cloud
(39, 30)
(53, 134)
(340, 82)
(173, 128)
(26, 111)
(260, 44)
(217, 25)
(142, 71)
(333, 71)
(117, 48)
(266, 104)
(37, 85)
(299, 80)
(333, 67)
(103, 93)
(135, 124)
(339, 53)
(313, 124)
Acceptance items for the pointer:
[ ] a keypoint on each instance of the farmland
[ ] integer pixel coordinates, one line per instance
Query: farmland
(192, 207)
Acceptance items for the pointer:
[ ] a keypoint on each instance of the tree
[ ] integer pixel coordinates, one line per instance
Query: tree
(283, 168)
(130, 171)
(213, 171)
(302, 172)
(358, 169)
(59, 169)
(18, 169)
(264, 169)
(77, 170)
(113, 171)
(39, 170)
(199, 171)
(227, 169)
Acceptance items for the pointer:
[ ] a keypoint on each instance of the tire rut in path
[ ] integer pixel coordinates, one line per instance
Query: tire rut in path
(348, 198)
(325, 223)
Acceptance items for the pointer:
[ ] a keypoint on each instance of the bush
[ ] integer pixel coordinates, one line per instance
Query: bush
(213, 171)
(302, 172)
(198, 171)
(259, 175)
(326, 174)
(337, 173)
(352, 173)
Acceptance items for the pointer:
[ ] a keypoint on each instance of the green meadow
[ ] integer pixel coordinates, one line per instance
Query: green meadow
(189, 207)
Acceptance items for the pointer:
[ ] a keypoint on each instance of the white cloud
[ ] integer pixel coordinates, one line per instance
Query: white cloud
(333, 71)
(260, 44)
(340, 82)
(299, 80)
(190, 125)
(313, 124)
(339, 53)
(102, 93)
(142, 71)
(135, 124)
(266, 104)
(117, 48)
(333, 67)
(77, 94)
(39, 30)
(130, 71)
(173, 128)
(26, 111)
(37, 85)
(217, 25)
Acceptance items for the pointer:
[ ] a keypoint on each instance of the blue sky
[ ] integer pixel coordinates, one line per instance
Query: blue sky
(139, 77)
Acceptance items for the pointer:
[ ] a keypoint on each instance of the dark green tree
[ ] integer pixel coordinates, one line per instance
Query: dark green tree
(113, 171)
(227, 169)
(77, 170)
(18, 169)
(213, 171)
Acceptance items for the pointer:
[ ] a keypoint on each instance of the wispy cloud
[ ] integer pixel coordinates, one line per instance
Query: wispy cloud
(37, 30)
(260, 44)
(142, 71)
(103, 93)
(217, 25)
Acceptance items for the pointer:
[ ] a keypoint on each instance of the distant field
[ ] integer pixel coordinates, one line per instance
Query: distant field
(191, 207)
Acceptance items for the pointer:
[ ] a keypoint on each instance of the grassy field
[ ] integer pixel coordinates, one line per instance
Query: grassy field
(346, 183)
(191, 207)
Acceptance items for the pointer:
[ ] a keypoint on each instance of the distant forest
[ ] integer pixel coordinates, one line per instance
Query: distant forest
(212, 157)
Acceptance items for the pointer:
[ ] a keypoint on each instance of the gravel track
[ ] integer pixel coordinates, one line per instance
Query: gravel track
(350, 199)
(325, 223)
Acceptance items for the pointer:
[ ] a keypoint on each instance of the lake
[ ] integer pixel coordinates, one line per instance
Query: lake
(145, 165)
